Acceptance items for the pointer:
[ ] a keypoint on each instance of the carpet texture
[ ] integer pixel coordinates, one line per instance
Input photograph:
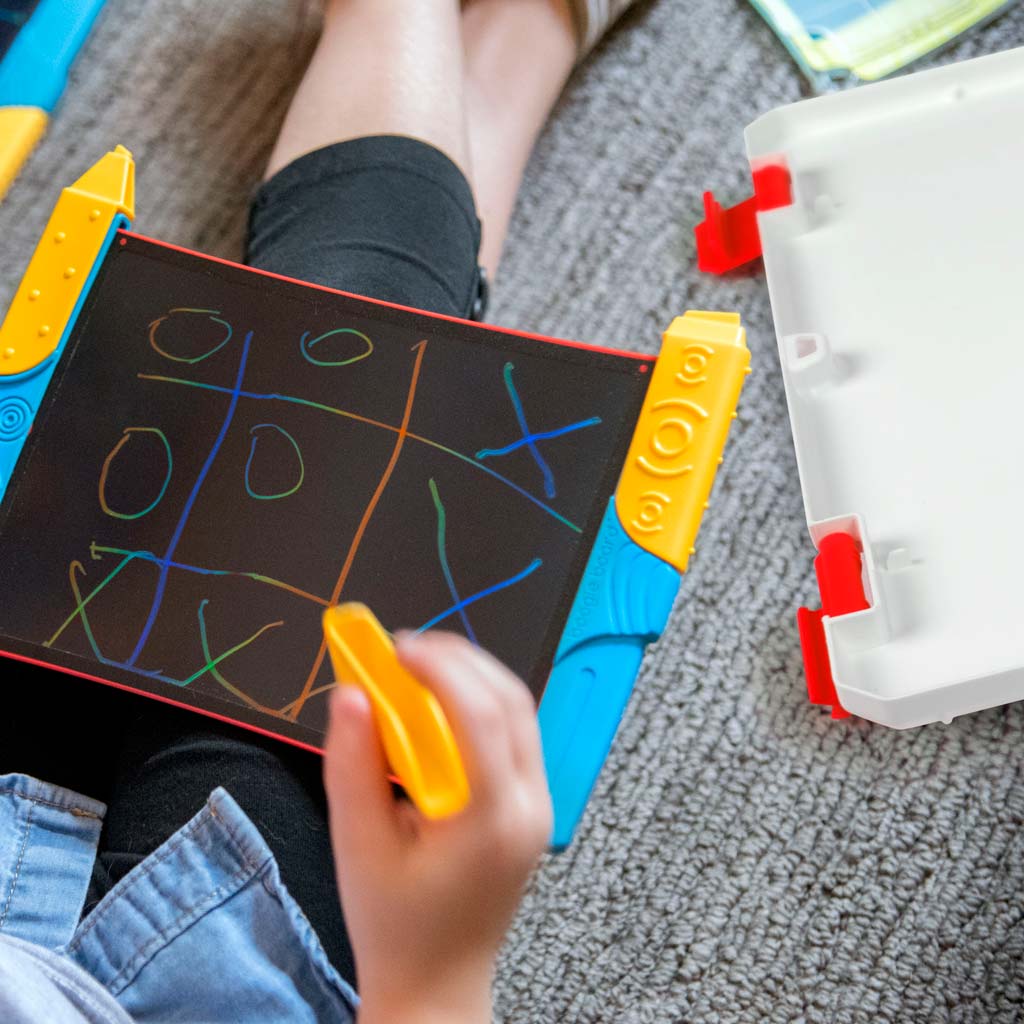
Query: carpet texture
(744, 858)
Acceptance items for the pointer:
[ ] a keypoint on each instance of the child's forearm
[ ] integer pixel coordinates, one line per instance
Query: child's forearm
(449, 994)
(474, 1008)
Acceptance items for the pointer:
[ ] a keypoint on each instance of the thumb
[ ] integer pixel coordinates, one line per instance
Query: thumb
(361, 807)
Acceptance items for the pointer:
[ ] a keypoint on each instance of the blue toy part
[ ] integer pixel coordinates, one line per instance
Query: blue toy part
(21, 394)
(35, 69)
(622, 605)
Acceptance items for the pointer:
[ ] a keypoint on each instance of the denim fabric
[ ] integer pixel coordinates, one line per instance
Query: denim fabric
(37, 985)
(201, 930)
(48, 840)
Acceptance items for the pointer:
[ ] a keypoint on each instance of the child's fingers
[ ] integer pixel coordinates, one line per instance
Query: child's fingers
(473, 708)
(522, 794)
(520, 721)
(520, 710)
(362, 808)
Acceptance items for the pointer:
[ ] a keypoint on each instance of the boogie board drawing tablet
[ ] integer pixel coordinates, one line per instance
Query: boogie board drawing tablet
(218, 454)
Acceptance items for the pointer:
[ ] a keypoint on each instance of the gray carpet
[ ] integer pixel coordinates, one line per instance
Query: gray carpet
(744, 858)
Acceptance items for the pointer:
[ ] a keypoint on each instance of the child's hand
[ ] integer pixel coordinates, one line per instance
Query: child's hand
(428, 902)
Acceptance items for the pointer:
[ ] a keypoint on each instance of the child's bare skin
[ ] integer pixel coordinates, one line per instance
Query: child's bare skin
(428, 902)
(477, 81)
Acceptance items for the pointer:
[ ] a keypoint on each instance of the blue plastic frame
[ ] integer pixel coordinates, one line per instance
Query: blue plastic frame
(34, 71)
(622, 604)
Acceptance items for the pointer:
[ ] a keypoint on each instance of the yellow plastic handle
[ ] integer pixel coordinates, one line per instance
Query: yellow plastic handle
(680, 433)
(60, 266)
(417, 738)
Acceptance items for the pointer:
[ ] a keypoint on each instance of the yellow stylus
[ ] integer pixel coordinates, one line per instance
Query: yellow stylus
(417, 738)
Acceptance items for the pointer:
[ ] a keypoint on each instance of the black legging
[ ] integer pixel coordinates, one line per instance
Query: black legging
(388, 217)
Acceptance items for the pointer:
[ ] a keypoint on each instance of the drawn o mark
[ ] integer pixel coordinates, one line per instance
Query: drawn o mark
(306, 345)
(190, 359)
(272, 496)
(125, 437)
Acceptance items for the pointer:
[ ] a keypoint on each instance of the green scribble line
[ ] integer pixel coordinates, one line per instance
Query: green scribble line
(374, 423)
(80, 610)
(212, 663)
(208, 655)
(148, 556)
(80, 604)
(442, 554)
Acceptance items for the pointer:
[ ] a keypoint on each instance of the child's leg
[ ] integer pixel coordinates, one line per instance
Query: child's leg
(170, 762)
(355, 207)
(368, 189)
(518, 56)
(382, 67)
(482, 98)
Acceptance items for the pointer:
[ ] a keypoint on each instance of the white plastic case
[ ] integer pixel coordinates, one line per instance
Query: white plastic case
(897, 286)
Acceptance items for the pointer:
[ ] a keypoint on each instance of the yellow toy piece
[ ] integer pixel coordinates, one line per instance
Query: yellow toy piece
(417, 739)
(63, 259)
(20, 129)
(681, 432)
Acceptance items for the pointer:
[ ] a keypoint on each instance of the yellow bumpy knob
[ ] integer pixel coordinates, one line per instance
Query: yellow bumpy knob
(681, 432)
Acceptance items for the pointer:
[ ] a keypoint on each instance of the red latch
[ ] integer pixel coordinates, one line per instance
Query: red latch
(727, 239)
(840, 581)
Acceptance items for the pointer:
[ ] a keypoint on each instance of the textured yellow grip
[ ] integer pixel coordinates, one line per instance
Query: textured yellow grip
(20, 130)
(64, 257)
(681, 433)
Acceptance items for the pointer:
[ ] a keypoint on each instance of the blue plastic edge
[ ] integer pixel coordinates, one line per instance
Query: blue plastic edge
(21, 394)
(34, 71)
(622, 604)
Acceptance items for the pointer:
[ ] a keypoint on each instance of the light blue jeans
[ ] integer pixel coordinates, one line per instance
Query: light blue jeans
(201, 930)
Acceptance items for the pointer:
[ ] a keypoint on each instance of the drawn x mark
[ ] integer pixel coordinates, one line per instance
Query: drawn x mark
(530, 439)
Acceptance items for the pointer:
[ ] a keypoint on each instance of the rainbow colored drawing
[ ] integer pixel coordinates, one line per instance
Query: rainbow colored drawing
(223, 455)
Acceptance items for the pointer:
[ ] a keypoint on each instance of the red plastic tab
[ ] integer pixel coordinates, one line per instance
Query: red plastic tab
(728, 238)
(820, 688)
(840, 581)
(840, 575)
(772, 186)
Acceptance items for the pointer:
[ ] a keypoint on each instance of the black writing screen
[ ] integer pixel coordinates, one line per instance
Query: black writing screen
(223, 454)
